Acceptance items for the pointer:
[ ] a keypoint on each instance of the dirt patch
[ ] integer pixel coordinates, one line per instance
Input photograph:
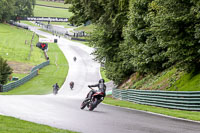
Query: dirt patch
(19, 67)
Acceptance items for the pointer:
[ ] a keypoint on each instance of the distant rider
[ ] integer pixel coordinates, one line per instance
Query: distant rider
(74, 58)
(71, 84)
(55, 88)
(101, 86)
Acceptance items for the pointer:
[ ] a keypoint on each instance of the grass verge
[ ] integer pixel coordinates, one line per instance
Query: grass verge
(13, 47)
(41, 11)
(51, 3)
(13, 125)
(190, 115)
(56, 72)
(87, 29)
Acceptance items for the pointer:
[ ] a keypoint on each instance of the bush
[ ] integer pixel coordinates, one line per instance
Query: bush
(5, 71)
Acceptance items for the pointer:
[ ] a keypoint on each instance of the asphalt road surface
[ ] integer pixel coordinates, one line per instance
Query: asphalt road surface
(63, 110)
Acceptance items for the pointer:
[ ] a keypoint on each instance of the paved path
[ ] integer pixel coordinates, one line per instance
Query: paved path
(63, 110)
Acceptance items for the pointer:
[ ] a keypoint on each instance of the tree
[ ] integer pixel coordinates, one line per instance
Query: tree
(6, 10)
(24, 8)
(147, 37)
(107, 39)
(10, 9)
(175, 23)
(5, 71)
(110, 17)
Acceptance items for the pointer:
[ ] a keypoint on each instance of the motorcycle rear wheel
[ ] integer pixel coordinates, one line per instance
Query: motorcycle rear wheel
(93, 104)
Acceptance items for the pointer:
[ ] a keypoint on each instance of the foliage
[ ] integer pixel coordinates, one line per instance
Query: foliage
(107, 39)
(85, 10)
(148, 37)
(102, 70)
(5, 71)
(6, 10)
(10, 9)
(24, 8)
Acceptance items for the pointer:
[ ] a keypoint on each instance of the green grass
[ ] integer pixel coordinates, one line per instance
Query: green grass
(187, 82)
(171, 79)
(56, 72)
(41, 11)
(13, 47)
(87, 29)
(103, 74)
(50, 3)
(19, 75)
(190, 115)
(13, 125)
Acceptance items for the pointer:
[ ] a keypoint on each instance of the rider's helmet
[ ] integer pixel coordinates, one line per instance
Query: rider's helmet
(101, 81)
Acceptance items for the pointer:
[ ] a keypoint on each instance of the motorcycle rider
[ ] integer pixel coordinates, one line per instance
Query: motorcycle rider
(55, 88)
(71, 84)
(74, 58)
(100, 85)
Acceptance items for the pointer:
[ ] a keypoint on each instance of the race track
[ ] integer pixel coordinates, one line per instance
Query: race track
(63, 110)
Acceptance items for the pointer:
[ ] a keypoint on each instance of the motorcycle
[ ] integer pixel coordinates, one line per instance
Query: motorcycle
(55, 91)
(92, 103)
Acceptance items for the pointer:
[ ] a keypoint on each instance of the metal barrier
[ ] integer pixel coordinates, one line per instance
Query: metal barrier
(17, 83)
(184, 100)
(40, 66)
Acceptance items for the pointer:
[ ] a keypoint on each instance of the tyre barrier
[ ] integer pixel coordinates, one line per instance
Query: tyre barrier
(32, 74)
(183, 100)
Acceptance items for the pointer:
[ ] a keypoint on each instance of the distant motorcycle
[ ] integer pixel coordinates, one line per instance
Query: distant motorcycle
(92, 103)
(55, 91)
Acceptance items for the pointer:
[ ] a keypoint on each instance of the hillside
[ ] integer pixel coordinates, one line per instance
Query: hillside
(14, 49)
(171, 79)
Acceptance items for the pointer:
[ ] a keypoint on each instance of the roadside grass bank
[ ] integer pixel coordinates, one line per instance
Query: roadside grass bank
(55, 72)
(40, 11)
(15, 48)
(190, 115)
(171, 79)
(87, 29)
(13, 125)
(51, 3)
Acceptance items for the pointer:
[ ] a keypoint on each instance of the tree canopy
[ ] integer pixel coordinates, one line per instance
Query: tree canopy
(10, 9)
(145, 36)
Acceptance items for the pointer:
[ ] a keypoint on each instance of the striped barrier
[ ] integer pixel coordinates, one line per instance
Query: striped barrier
(184, 100)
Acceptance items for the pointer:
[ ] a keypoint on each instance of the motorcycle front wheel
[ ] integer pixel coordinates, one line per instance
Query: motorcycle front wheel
(83, 105)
